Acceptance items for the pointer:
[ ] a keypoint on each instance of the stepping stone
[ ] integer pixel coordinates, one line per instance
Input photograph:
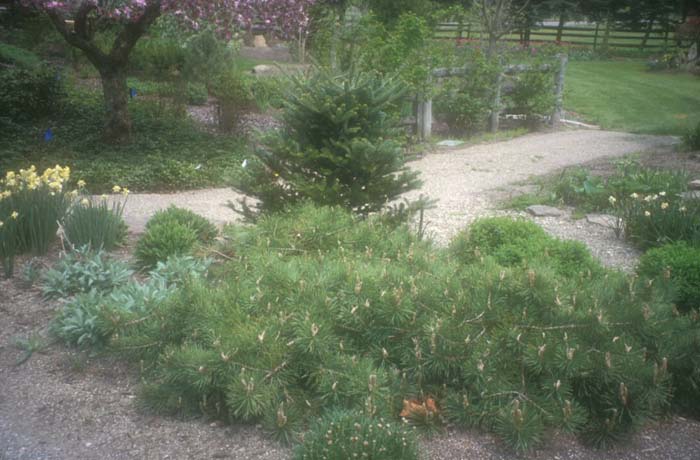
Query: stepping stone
(604, 220)
(694, 184)
(539, 210)
(263, 69)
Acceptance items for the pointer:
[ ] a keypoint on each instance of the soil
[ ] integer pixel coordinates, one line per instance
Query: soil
(64, 404)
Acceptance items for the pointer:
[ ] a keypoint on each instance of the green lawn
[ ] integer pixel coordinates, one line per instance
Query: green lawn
(623, 95)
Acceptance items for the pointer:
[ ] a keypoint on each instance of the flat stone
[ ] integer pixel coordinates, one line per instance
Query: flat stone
(604, 220)
(262, 69)
(259, 41)
(539, 210)
(693, 195)
(694, 184)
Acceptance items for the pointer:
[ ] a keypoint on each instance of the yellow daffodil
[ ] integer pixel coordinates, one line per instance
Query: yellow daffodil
(116, 189)
(647, 213)
(103, 197)
(14, 215)
(73, 193)
(664, 205)
(1, 223)
(84, 202)
(634, 196)
(683, 209)
(612, 200)
(125, 191)
(81, 183)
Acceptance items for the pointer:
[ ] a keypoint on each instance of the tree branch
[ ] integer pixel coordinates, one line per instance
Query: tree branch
(130, 34)
(91, 50)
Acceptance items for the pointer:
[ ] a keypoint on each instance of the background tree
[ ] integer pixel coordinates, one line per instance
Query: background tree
(498, 18)
(79, 20)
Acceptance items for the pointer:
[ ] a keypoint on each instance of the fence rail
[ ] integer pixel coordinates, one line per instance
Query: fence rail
(600, 36)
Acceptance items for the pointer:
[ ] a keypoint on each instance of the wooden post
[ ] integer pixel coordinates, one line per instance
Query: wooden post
(606, 35)
(496, 107)
(595, 37)
(559, 90)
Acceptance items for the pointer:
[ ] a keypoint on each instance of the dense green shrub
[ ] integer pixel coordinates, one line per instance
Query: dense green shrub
(347, 435)
(95, 223)
(336, 148)
(691, 140)
(20, 57)
(533, 94)
(164, 240)
(234, 97)
(682, 263)
(205, 230)
(320, 310)
(520, 243)
(84, 270)
(26, 94)
(465, 103)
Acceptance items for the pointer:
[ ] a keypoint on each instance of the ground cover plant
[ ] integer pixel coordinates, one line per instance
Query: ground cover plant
(621, 94)
(167, 151)
(318, 310)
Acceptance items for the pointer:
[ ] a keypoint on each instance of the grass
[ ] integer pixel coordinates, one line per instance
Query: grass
(623, 95)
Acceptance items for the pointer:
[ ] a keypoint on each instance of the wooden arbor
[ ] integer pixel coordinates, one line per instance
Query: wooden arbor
(424, 111)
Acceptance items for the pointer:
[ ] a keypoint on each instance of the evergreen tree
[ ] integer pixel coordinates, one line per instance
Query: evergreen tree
(337, 147)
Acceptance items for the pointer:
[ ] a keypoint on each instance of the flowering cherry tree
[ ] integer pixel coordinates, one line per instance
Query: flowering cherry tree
(76, 21)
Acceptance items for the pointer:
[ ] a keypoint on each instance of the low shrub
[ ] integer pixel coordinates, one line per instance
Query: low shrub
(205, 230)
(681, 263)
(691, 140)
(96, 223)
(27, 94)
(20, 57)
(521, 243)
(344, 434)
(162, 241)
(84, 270)
(235, 98)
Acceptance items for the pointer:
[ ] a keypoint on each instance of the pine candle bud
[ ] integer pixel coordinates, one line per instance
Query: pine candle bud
(314, 330)
(624, 393)
(372, 384)
(531, 277)
(281, 417)
(465, 400)
(608, 360)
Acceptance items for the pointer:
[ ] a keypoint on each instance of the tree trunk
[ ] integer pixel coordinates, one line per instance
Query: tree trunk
(116, 95)
(560, 26)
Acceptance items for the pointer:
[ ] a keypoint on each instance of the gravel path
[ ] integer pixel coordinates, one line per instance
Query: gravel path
(468, 183)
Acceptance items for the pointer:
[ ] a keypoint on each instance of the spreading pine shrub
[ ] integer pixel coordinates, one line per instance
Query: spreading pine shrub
(681, 263)
(337, 148)
(321, 311)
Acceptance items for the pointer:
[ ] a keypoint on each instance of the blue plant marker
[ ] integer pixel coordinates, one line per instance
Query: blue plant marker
(48, 135)
(132, 93)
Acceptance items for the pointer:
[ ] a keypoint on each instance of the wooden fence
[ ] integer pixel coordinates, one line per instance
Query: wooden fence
(595, 36)
(424, 108)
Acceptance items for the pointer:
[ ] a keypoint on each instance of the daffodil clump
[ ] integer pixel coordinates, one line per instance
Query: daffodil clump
(34, 203)
(651, 220)
(96, 222)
